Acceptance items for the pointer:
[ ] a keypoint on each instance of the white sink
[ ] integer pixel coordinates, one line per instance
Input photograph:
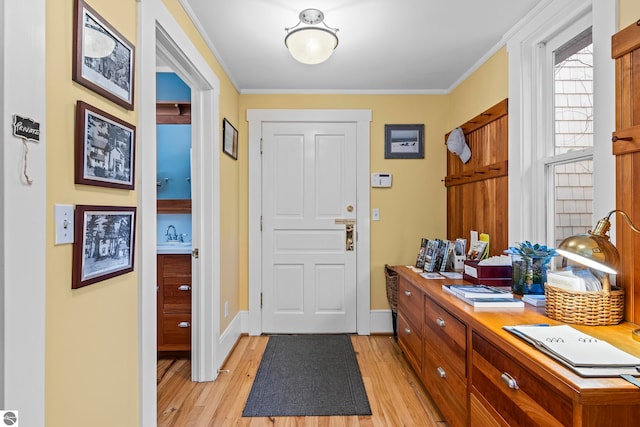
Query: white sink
(173, 247)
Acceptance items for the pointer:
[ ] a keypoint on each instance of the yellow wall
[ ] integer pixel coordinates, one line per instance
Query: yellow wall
(483, 89)
(91, 333)
(629, 12)
(413, 208)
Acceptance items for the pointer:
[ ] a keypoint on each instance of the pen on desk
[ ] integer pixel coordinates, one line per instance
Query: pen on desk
(533, 324)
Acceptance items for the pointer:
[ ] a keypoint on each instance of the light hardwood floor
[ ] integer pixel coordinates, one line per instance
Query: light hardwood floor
(396, 396)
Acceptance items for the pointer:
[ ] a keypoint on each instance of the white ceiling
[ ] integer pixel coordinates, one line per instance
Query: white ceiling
(385, 46)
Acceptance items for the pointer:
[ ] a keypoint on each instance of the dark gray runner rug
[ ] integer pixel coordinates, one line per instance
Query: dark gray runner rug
(308, 375)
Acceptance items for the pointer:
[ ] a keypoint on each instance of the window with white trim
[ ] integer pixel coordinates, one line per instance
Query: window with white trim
(561, 115)
(568, 161)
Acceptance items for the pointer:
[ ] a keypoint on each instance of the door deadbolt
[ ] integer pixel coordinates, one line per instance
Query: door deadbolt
(349, 243)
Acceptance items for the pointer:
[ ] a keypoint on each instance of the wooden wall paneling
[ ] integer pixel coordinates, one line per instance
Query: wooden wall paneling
(624, 241)
(634, 107)
(477, 192)
(623, 91)
(454, 204)
(625, 48)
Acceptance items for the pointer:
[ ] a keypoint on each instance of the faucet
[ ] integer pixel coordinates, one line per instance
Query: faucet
(171, 237)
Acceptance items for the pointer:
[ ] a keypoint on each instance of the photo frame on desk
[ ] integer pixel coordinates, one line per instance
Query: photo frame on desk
(404, 141)
(103, 60)
(229, 139)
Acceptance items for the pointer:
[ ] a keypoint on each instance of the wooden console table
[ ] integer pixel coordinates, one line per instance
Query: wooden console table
(481, 375)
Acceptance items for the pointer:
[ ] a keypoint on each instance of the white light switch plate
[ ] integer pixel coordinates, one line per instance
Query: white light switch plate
(64, 224)
(375, 214)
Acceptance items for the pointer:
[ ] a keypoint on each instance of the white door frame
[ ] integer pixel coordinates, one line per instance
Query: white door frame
(160, 34)
(24, 211)
(362, 118)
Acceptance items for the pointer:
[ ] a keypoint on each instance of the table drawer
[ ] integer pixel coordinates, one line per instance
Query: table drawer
(410, 302)
(447, 388)
(410, 342)
(517, 394)
(446, 335)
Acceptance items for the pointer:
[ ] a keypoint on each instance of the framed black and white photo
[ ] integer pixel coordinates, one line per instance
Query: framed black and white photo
(104, 149)
(104, 243)
(404, 141)
(229, 139)
(103, 60)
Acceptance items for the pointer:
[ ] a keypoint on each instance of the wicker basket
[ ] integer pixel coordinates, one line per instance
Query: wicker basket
(585, 308)
(392, 287)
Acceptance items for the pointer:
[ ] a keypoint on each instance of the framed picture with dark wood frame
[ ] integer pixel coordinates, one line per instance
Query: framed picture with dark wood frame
(229, 139)
(104, 149)
(103, 60)
(104, 243)
(404, 141)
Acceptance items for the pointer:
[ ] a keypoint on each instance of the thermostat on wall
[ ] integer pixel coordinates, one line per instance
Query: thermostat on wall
(381, 179)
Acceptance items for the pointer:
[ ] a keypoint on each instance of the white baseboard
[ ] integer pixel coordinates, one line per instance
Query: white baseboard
(381, 321)
(228, 339)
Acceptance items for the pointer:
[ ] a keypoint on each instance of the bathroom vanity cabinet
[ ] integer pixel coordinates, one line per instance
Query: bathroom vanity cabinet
(174, 302)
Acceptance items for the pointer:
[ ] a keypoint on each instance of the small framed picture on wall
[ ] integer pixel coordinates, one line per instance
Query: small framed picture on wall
(104, 243)
(404, 141)
(104, 149)
(103, 60)
(229, 139)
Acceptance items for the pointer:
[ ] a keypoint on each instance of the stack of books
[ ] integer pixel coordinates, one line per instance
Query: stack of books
(535, 300)
(483, 296)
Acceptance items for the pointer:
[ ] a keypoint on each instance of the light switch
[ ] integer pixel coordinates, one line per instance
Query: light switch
(375, 214)
(64, 224)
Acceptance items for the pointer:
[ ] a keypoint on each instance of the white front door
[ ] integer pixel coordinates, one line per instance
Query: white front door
(308, 203)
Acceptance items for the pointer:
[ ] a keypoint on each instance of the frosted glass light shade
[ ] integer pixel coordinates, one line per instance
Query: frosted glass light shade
(311, 45)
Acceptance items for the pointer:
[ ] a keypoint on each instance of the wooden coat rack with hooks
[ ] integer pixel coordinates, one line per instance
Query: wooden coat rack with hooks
(477, 191)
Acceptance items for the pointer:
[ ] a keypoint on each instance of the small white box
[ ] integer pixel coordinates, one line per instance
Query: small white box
(381, 179)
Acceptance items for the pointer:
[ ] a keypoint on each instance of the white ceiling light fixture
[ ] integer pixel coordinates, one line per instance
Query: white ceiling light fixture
(311, 44)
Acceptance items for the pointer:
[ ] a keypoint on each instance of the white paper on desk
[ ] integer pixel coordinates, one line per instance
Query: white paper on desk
(575, 347)
(451, 274)
(429, 275)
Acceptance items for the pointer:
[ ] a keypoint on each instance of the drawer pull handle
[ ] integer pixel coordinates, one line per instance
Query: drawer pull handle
(184, 288)
(184, 324)
(407, 331)
(407, 293)
(440, 322)
(441, 372)
(509, 381)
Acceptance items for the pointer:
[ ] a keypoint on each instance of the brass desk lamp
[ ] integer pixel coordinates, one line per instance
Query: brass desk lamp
(595, 250)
